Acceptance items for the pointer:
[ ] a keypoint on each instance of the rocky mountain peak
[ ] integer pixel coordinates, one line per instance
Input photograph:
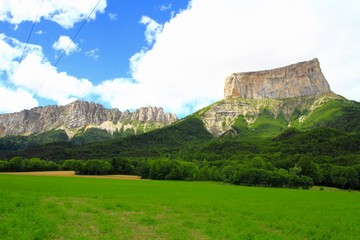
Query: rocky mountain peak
(297, 80)
(290, 93)
(82, 115)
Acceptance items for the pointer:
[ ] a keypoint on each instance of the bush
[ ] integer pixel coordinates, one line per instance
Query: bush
(96, 167)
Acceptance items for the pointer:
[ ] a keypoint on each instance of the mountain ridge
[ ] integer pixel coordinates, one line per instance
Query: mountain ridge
(249, 117)
(82, 115)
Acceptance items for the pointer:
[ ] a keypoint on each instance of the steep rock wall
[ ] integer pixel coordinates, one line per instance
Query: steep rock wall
(296, 80)
(80, 114)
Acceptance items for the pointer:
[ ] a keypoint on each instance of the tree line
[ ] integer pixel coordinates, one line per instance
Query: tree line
(254, 172)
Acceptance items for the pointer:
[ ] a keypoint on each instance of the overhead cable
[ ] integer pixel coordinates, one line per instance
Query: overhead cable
(32, 29)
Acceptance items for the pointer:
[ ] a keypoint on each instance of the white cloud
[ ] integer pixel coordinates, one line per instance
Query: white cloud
(153, 29)
(188, 58)
(165, 7)
(112, 16)
(38, 76)
(64, 12)
(116, 91)
(64, 43)
(11, 51)
(195, 51)
(16, 100)
(93, 53)
(40, 32)
(34, 75)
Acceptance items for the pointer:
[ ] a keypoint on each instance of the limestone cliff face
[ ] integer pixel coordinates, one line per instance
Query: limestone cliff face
(296, 80)
(283, 91)
(81, 114)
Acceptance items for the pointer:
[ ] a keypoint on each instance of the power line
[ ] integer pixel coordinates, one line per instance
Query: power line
(72, 40)
(32, 29)
(77, 32)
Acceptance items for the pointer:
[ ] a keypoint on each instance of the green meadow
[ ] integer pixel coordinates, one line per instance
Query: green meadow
(48, 207)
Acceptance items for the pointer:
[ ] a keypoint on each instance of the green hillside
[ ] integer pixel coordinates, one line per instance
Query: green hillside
(267, 118)
(318, 143)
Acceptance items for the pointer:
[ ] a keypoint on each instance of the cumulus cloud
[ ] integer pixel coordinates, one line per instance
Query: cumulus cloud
(153, 29)
(93, 53)
(194, 52)
(64, 12)
(64, 43)
(21, 83)
(39, 76)
(116, 91)
(16, 100)
(11, 50)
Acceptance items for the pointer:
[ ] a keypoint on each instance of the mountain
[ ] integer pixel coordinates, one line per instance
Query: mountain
(264, 114)
(297, 80)
(80, 116)
(280, 128)
(265, 103)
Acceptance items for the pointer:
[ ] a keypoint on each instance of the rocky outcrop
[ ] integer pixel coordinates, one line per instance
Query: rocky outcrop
(220, 117)
(296, 80)
(79, 115)
(287, 91)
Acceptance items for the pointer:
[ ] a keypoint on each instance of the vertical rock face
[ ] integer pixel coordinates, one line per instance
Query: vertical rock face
(296, 80)
(80, 114)
(153, 114)
(285, 92)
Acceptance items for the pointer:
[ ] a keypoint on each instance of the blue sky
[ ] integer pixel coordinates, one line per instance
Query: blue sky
(170, 53)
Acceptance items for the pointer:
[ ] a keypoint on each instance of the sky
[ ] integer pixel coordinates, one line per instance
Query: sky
(173, 54)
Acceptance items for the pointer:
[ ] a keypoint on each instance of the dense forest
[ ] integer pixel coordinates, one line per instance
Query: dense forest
(186, 151)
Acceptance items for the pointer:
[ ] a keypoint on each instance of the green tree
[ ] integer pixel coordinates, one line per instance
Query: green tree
(306, 182)
(278, 178)
(227, 173)
(122, 166)
(16, 164)
(74, 165)
(309, 168)
(35, 164)
(143, 169)
(204, 173)
(293, 181)
(52, 166)
(189, 170)
(345, 177)
(159, 169)
(96, 167)
(4, 166)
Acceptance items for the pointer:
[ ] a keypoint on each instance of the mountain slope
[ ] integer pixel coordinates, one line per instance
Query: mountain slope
(159, 142)
(251, 118)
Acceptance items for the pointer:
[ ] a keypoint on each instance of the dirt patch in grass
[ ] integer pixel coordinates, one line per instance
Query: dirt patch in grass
(72, 174)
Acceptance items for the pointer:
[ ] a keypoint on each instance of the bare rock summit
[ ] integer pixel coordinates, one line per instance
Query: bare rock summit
(302, 79)
(285, 92)
(82, 115)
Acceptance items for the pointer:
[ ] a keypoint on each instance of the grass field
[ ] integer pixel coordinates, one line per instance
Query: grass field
(53, 207)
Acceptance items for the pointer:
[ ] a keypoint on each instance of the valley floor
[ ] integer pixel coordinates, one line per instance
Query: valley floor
(57, 207)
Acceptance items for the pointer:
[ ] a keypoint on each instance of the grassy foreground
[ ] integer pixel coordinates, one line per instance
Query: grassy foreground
(43, 207)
